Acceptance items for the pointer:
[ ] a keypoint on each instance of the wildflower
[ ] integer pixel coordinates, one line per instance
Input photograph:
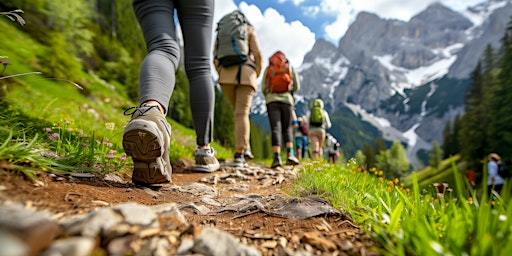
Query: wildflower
(388, 189)
(48, 129)
(110, 126)
(110, 156)
(381, 179)
(113, 152)
(70, 130)
(381, 172)
(395, 181)
(53, 136)
(123, 157)
(68, 122)
(84, 145)
(81, 132)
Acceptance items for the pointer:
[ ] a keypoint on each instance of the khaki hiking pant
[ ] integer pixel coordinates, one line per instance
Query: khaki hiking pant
(240, 97)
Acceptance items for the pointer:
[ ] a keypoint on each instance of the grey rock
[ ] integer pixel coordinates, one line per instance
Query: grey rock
(36, 229)
(136, 214)
(76, 246)
(214, 242)
(12, 245)
(92, 224)
(185, 246)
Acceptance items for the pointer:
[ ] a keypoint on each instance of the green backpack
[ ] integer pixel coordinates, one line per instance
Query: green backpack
(232, 45)
(316, 117)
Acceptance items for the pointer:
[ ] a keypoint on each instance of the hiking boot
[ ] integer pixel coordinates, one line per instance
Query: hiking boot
(205, 160)
(239, 161)
(276, 163)
(292, 160)
(248, 153)
(146, 139)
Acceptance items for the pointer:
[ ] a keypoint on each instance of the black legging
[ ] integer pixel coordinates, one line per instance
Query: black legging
(279, 116)
(157, 72)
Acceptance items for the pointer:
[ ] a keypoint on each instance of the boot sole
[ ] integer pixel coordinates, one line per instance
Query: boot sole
(143, 145)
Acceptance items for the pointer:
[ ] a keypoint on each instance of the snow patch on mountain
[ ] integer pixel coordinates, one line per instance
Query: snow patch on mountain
(481, 12)
(420, 75)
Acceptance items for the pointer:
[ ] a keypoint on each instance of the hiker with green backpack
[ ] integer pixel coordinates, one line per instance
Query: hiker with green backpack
(280, 81)
(238, 61)
(319, 121)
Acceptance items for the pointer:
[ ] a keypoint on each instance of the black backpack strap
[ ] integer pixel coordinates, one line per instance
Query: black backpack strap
(239, 73)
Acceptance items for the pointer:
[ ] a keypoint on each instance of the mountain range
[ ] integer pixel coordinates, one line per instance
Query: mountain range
(398, 80)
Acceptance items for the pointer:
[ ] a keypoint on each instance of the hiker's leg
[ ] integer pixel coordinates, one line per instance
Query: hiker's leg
(274, 117)
(196, 17)
(313, 139)
(157, 71)
(286, 119)
(244, 95)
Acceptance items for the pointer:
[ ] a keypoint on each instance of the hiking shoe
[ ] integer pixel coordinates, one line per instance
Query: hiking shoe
(146, 139)
(276, 163)
(248, 153)
(292, 160)
(239, 161)
(205, 160)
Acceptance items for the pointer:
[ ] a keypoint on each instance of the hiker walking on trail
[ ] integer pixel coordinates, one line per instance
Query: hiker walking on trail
(332, 148)
(494, 181)
(146, 137)
(238, 62)
(319, 121)
(301, 137)
(280, 81)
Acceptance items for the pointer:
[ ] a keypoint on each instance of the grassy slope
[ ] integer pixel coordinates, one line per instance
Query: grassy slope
(40, 97)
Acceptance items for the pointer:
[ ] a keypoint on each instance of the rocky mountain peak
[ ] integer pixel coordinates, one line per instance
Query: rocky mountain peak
(400, 74)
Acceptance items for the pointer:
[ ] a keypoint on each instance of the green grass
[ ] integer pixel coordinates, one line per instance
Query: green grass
(412, 220)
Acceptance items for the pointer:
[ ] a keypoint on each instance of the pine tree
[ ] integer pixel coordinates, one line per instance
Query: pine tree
(369, 154)
(360, 159)
(473, 123)
(500, 126)
(394, 161)
(435, 155)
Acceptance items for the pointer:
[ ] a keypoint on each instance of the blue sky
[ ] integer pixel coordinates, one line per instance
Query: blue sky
(293, 26)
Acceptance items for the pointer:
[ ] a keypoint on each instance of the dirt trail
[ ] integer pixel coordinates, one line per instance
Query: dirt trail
(219, 206)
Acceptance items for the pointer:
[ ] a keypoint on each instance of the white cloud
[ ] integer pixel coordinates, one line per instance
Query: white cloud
(295, 2)
(310, 11)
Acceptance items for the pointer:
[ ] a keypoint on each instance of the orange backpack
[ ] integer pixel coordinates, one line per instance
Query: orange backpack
(279, 75)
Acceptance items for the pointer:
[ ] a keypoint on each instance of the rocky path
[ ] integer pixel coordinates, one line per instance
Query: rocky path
(234, 211)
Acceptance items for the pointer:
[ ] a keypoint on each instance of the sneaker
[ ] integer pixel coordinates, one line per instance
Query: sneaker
(239, 161)
(248, 153)
(205, 160)
(276, 163)
(146, 139)
(292, 160)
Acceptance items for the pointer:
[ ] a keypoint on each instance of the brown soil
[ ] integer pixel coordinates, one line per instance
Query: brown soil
(67, 195)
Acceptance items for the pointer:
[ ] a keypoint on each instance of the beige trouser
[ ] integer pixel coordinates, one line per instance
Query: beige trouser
(316, 140)
(240, 97)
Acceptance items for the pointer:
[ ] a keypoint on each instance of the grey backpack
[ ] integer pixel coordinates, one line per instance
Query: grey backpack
(232, 47)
